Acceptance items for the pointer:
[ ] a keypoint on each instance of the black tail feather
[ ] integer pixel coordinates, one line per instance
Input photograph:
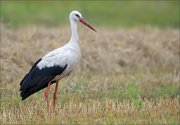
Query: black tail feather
(34, 89)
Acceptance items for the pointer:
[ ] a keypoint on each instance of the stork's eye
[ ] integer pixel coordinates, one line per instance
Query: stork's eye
(77, 15)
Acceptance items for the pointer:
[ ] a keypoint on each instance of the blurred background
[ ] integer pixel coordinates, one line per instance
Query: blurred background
(106, 13)
(128, 74)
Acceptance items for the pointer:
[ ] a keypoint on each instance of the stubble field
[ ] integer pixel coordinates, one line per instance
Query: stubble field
(125, 76)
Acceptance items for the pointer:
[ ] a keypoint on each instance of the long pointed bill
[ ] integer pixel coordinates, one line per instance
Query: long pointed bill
(87, 24)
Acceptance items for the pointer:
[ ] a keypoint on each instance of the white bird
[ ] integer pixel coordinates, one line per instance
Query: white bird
(55, 65)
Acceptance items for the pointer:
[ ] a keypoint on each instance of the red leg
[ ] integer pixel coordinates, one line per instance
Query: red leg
(46, 95)
(55, 92)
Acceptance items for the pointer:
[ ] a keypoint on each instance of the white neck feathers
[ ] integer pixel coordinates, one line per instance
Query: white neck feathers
(74, 33)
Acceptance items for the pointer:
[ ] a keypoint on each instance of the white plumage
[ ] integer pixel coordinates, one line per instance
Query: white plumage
(67, 54)
(54, 65)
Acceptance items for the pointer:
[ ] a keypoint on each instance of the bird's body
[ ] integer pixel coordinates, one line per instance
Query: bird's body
(68, 55)
(55, 65)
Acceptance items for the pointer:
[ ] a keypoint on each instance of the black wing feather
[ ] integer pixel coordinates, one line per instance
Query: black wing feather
(35, 64)
(38, 79)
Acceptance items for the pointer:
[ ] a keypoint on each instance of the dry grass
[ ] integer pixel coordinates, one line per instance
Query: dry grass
(126, 76)
(163, 111)
(95, 99)
(106, 51)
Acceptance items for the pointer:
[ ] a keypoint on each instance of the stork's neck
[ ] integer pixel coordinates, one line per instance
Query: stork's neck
(74, 33)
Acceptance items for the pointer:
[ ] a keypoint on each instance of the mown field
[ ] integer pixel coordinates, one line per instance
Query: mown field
(125, 75)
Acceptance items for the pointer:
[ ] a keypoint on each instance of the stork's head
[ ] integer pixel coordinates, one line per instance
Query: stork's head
(76, 16)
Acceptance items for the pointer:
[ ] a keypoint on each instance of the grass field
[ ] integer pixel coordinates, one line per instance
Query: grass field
(125, 75)
(106, 14)
(134, 79)
(99, 99)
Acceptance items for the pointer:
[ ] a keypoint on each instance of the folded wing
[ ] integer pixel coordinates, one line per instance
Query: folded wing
(38, 78)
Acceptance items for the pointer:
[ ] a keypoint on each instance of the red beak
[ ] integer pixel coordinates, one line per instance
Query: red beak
(87, 24)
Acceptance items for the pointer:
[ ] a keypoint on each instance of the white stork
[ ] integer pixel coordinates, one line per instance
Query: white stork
(55, 65)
